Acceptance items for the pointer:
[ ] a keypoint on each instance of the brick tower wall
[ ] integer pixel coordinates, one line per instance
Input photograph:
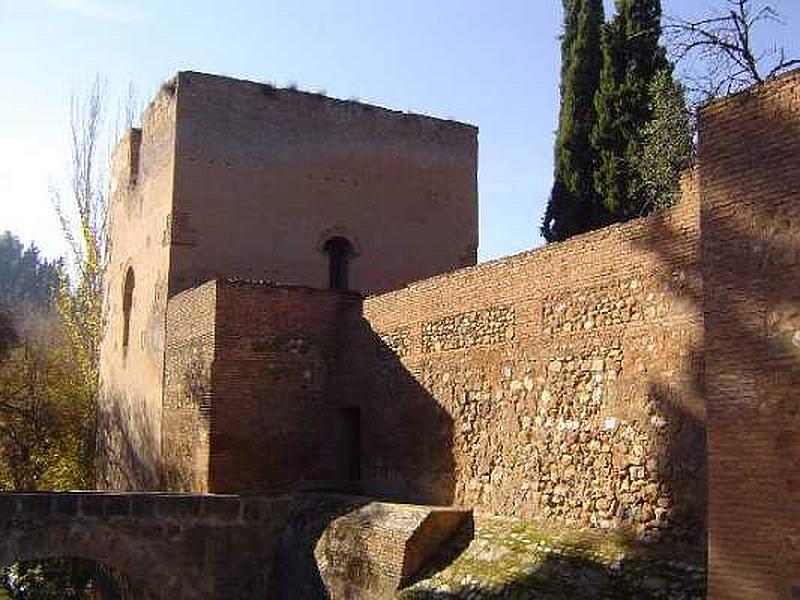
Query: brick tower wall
(265, 176)
(250, 404)
(750, 181)
(129, 416)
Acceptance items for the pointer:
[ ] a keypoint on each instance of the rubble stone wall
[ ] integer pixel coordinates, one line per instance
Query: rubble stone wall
(561, 383)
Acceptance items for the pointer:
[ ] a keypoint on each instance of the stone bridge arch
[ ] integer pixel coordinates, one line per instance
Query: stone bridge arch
(171, 546)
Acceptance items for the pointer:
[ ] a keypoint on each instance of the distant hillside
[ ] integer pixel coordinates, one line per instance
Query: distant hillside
(26, 278)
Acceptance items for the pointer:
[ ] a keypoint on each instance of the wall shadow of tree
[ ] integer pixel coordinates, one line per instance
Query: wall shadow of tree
(128, 451)
(415, 435)
(750, 262)
(670, 564)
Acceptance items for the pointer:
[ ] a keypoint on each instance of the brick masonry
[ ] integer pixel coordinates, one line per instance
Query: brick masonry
(376, 549)
(187, 547)
(561, 383)
(640, 378)
(750, 177)
(250, 371)
(230, 178)
(264, 176)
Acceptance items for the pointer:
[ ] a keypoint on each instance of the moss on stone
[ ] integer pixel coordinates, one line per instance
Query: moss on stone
(524, 559)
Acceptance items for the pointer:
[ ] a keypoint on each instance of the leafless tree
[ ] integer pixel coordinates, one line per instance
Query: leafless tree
(83, 217)
(720, 53)
(83, 214)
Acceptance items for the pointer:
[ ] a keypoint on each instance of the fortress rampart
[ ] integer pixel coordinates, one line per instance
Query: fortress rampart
(641, 378)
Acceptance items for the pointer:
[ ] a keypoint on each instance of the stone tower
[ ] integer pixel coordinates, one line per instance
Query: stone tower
(236, 179)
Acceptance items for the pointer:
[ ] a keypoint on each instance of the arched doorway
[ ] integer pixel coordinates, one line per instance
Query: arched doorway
(339, 251)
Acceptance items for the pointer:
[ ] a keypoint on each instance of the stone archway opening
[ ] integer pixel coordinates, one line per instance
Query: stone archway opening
(340, 252)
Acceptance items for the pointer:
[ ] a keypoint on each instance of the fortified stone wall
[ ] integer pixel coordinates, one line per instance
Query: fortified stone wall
(561, 384)
(265, 176)
(249, 405)
(232, 178)
(129, 418)
(750, 177)
(569, 383)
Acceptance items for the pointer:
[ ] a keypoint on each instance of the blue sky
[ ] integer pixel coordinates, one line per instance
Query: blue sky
(491, 63)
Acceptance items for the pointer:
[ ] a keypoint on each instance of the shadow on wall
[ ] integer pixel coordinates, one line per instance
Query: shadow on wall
(750, 301)
(407, 425)
(408, 455)
(128, 455)
(295, 571)
(407, 441)
(518, 561)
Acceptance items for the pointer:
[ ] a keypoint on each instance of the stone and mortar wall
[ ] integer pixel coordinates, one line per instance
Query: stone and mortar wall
(750, 178)
(175, 547)
(129, 418)
(264, 176)
(189, 357)
(561, 383)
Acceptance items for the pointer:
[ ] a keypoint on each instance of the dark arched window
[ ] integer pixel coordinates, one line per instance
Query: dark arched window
(127, 304)
(339, 251)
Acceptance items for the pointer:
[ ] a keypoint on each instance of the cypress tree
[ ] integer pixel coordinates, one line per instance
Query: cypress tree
(667, 145)
(571, 207)
(632, 57)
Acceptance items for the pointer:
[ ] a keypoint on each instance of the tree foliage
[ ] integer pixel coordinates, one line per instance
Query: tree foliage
(623, 134)
(667, 147)
(56, 578)
(26, 279)
(46, 418)
(46, 407)
(632, 56)
(572, 202)
(8, 334)
(48, 378)
(83, 217)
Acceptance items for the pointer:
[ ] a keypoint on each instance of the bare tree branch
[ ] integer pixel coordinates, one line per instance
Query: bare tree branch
(718, 53)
